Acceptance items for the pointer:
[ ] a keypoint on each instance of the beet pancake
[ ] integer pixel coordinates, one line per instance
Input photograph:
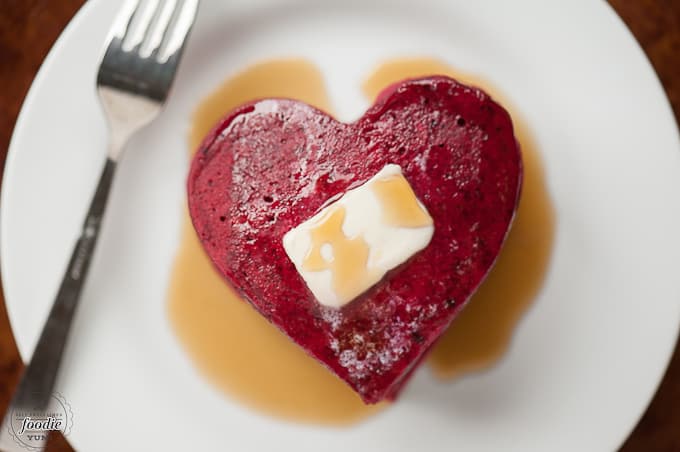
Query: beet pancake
(272, 164)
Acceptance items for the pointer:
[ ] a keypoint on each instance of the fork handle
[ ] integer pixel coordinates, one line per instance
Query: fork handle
(36, 385)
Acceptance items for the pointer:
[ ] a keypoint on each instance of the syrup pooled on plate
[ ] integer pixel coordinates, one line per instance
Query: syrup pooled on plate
(253, 362)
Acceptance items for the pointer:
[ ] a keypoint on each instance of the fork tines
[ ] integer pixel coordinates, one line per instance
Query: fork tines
(147, 38)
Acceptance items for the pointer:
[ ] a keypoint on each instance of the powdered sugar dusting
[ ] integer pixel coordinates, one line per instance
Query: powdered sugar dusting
(332, 316)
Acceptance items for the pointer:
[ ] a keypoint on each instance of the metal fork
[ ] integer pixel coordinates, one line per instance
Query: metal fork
(134, 78)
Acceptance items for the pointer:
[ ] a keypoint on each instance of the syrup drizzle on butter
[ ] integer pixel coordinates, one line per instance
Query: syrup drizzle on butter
(349, 261)
(399, 204)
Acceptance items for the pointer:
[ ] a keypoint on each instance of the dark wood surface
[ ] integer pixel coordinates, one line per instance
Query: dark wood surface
(28, 28)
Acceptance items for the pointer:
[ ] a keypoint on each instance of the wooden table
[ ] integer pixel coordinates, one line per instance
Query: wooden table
(28, 29)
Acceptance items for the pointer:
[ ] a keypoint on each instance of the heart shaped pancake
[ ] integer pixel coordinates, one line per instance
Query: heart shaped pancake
(272, 164)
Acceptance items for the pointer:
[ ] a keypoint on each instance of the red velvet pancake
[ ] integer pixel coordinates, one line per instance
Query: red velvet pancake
(272, 164)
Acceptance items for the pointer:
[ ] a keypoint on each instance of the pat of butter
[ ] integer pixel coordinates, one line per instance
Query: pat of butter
(350, 244)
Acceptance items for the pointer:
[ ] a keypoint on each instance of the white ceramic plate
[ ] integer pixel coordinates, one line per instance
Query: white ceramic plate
(585, 360)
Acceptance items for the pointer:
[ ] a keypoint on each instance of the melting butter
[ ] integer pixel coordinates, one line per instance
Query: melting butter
(370, 230)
